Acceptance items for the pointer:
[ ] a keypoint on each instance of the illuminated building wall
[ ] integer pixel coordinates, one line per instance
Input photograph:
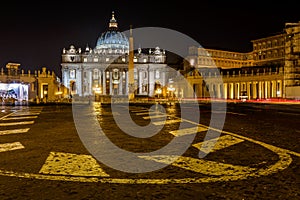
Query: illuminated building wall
(23, 87)
(103, 70)
(271, 70)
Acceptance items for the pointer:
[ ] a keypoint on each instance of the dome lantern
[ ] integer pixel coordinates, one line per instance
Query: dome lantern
(113, 22)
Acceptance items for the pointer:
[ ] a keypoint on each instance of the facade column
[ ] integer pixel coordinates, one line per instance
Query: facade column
(248, 85)
(151, 82)
(140, 88)
(90, 83)
(100, 79)
(121, 82)
(104, 82)
(126, 82)
(110, 83)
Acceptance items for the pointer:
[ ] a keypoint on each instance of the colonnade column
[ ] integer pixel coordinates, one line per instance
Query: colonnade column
(225, 90)
(267, 89)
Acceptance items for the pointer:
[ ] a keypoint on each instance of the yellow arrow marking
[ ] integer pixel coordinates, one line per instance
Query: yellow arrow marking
(72, 164)
(219, 143)
(201, 166)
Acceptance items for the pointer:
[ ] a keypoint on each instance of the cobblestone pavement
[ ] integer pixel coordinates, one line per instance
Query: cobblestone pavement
(256, 156)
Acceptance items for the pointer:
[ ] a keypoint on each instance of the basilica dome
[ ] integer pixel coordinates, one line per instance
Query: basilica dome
(112, 41)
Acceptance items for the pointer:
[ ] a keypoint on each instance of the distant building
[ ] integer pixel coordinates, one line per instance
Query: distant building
(17, 85)
(103, 70)
(271, 70)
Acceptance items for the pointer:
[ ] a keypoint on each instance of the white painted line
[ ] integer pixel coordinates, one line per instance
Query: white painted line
(188, 131)
(154, 116)
(14, 131)
(219, 143)
(167, 122)
(20, 117)
(11, 146)
(201, 166)
(16, 123)
(72, 164)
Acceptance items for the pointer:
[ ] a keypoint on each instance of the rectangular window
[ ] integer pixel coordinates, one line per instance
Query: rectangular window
(32, 87)
(157, 75)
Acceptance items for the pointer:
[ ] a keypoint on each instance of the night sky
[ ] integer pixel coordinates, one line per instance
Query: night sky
(35, 34)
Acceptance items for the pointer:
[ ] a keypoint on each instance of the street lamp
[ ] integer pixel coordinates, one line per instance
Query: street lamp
(97, 91)
(158, 92)
(171, 90)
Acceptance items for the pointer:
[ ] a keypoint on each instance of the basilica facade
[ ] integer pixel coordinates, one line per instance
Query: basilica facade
(103, 70)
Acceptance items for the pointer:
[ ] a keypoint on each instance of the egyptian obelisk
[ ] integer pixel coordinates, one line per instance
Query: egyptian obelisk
(131, 68)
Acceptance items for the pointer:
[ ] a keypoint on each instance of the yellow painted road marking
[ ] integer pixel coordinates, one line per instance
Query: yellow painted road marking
(146, 113)
(234, 113)
(16, 123)
(20, 117)
(219, 143)
(107, 113)
(11, 146)
(25, 113)
(72, 164)
(7, 115)
(14, 131)
(167, 122)
(187, 131)
(154, 116)
(137, 111)
(201, 166)
(284, 161)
